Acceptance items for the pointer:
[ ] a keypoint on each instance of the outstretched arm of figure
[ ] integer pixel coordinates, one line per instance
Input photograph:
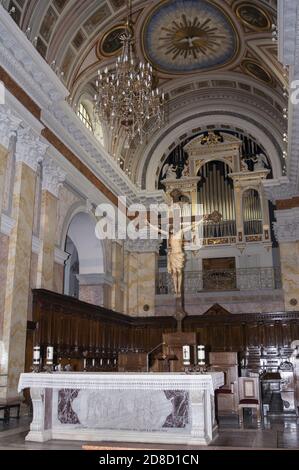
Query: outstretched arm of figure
(192, 226)
(157, 229)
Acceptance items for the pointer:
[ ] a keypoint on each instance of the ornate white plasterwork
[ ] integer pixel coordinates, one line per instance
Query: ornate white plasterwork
(65, 124)
(22, 61)
(9, 124)
(279, 189)
(53, 176)
(286, 227)
(29, 148)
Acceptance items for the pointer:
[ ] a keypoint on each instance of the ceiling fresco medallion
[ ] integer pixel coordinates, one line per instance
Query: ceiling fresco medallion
(189, 36)
(111, 44)
(254, 69)
(253, 16)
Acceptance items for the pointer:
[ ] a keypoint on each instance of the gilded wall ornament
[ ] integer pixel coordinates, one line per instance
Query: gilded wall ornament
(253, 16)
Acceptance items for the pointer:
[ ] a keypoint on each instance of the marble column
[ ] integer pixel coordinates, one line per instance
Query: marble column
(287, 234)
(29, 151)
(52, 178)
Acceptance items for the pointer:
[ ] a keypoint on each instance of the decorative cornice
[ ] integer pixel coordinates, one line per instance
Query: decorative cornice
(286, 227)
(60, 256)
(9, 124)
(153, 198)
(279, 189)
(53, 177)
(29, 148)
(22, 61)
(65, 124)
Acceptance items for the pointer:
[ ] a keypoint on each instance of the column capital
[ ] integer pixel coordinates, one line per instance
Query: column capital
(9, 124)
(286, 227)
(53, 176)
(29, 148)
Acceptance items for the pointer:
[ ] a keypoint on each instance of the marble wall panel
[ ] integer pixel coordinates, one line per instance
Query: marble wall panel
(4, 240)
(58, 278)
(289, 255)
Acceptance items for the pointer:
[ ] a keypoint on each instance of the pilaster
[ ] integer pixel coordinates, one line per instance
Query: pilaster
(53, 178)
(29, 151)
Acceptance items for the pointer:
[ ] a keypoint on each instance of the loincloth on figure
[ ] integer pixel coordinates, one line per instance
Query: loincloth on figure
(175, 261)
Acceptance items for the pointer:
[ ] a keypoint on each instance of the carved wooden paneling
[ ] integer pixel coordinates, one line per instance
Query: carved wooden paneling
(74, 327)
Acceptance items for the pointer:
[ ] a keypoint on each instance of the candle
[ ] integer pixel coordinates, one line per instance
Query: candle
(50, 355)
(186, 355)
(93, 362)
(36, 355)
(201, 354)
(84, 364)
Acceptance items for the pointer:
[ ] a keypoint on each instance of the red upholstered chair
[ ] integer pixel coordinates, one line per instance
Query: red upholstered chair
(249, 396)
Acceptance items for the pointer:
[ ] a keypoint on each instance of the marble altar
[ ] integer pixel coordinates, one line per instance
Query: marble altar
(173, 408)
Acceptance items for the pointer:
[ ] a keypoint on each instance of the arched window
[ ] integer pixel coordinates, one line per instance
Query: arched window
(84, 116)
(252, 213)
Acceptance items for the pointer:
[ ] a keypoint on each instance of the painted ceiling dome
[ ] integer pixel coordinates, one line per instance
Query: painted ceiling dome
(189, 36)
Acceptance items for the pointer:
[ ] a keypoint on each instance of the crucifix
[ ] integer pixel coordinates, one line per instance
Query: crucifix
(176, 258)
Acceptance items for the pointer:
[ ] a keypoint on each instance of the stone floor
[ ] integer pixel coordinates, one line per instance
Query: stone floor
(274, 433)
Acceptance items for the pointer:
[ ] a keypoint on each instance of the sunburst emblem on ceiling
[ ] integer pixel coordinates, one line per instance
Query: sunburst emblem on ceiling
(188, 36)
(191, 38)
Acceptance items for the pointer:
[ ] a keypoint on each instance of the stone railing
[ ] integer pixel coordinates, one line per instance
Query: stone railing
(222, 280)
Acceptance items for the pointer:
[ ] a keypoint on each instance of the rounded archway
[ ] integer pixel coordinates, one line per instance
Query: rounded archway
(86, 263)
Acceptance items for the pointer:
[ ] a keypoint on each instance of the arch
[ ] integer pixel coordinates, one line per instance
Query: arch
(152, 155)
(85, 101)
(91, 253)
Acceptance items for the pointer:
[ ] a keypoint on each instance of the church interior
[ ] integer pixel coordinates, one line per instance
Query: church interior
(117, 117)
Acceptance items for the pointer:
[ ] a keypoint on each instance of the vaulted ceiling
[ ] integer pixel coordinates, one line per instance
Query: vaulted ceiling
(211, 57)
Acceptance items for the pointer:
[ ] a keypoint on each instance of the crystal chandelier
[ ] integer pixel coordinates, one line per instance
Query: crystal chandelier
(126, 97)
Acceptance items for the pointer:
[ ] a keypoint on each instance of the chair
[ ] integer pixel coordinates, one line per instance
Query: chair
(227, 397)
(249, 396)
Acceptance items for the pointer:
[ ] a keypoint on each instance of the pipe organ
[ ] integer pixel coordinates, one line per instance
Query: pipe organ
(216, 194)
(217, 177)
(235, 211)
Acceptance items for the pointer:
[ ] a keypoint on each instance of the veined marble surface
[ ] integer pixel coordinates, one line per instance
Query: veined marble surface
(153, 407)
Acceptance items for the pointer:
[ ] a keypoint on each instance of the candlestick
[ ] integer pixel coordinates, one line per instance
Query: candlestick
(36, 355)
(201, 355)
(186, 355)
(50, 355)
